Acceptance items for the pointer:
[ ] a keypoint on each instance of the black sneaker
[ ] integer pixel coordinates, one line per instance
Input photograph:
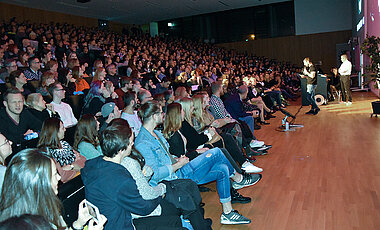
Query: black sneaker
(257, 152)
(248, 180)
(236, 197)
(316, 111)
(263, 148)
(234, 217)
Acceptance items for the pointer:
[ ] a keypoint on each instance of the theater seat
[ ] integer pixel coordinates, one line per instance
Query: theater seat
(76, 103)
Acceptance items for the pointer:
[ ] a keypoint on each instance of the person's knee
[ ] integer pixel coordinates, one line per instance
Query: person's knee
(222, 171)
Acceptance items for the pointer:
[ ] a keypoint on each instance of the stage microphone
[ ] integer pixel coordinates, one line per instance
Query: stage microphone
(287, 113)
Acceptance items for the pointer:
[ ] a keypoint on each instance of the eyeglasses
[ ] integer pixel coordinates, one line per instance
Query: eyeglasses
(6, 142)
(60, 89)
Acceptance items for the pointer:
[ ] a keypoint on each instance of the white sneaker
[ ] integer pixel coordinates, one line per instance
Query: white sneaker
(250, 168)
(256, 143)
(349, 103)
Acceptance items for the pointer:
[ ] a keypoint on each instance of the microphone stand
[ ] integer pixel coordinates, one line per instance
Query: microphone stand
(290, 126)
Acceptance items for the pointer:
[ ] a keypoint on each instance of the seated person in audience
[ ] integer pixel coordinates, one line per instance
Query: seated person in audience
(333, 83)
(86, 140)
(160, 98)
(45, 58)
(111, 90)
(12, 51)
(5, 151)
(10, 66)
(147, 84)
(207, 137)
(80, 83)
(47, 79)
(129, 112)
(209, 166)
(271, 91)
(99, 74)
(33, 72)
(34, 176)
(22, 60)
(144, 96)
(255, 98)
(234, 105)
(16, 122)
(38, 107)
(180, 93)
(68, 161)
(203, 122)
(163, 85)
(64, 110)
(136, 87)
(219, 112)
(184, 140)
(126, 84)
(109, 112)
(18, 80)
(97, 96)
(67, 81)
(111, 187)
(141, 173)
(113, 76)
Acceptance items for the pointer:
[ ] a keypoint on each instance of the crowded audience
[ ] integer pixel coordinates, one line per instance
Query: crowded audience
(132, 116)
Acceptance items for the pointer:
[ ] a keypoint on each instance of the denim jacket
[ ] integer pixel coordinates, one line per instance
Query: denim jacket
(155, 155)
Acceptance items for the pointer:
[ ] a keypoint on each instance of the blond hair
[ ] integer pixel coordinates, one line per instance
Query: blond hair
(187, 104)
(173, 119)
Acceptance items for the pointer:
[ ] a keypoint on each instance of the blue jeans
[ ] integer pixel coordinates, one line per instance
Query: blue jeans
(250, 122)
(210, 166)
(310, 89)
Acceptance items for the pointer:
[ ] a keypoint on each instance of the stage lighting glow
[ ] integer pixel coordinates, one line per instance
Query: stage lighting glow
(253, 36)
(170, 24)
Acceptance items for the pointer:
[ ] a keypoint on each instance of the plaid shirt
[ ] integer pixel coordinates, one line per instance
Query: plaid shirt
(218, 109)
(31, 75)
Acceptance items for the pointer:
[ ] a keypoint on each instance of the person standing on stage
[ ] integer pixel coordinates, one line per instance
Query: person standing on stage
(311, 75)
(345, 73)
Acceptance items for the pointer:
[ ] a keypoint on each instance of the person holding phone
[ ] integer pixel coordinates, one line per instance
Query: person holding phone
(32, 173)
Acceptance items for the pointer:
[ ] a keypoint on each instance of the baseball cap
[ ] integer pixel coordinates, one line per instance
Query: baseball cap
(107, 109)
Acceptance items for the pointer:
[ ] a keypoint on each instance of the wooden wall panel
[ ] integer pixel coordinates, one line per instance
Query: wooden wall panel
(319, 47)
(8, 11)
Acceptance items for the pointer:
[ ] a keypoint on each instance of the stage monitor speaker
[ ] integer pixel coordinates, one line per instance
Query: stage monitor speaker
(320, 90)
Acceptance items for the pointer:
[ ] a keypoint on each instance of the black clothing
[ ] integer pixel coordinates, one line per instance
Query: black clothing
(115, 79)
(311, 81)
(95, 105)
(345, 86)
(111, 188)
(15, 132)
(42, 115)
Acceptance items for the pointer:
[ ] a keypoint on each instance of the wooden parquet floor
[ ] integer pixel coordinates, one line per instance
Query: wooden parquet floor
(323, 176)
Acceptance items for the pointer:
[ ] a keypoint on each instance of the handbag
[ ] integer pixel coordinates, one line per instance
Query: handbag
(183, 194)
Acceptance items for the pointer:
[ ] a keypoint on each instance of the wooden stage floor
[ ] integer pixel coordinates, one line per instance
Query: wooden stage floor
(323, 176)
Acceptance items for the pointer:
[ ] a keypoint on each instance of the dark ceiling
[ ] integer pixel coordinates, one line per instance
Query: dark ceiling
(139, 11)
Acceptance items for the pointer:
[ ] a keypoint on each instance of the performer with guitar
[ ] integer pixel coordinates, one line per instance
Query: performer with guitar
(310, 74)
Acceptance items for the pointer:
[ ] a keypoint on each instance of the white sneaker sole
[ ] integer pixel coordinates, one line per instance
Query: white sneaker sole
(226, 221)
(253, 171)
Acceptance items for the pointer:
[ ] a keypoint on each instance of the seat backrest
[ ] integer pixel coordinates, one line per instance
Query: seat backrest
(76, 103)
